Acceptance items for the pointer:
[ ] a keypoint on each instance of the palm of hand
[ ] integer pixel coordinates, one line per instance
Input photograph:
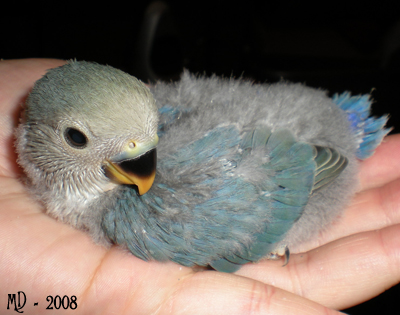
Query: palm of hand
(356, 259)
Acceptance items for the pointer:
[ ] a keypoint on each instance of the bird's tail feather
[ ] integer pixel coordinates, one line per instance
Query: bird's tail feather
(369, 130)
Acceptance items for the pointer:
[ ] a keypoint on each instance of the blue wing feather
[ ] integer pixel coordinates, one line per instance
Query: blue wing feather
(168, 115)
(232, 194)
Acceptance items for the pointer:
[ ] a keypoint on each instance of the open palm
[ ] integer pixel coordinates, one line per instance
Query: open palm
(357, 258)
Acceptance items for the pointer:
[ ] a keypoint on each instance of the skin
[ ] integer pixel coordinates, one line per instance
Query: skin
(353, 261)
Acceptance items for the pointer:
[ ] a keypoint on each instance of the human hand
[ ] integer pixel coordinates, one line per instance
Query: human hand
(357, 258)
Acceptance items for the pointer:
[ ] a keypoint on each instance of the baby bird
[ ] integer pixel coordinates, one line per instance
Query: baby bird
(244, 171)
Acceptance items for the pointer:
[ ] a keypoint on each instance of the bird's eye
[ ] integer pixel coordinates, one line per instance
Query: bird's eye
(75, 138)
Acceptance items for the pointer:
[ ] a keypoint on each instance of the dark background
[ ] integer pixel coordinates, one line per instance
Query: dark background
(336, 46)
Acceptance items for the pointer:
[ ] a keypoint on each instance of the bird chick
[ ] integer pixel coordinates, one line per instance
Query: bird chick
(244, 171)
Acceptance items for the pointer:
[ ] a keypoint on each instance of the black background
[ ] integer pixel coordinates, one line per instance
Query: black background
(336, 46)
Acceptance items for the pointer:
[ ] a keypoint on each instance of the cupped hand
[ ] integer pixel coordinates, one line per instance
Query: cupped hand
(357, 258)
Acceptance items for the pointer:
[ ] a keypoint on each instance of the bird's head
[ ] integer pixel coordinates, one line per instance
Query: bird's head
(86, 128)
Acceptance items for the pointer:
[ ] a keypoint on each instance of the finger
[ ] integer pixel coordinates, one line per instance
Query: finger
(218, 293)
(369, 210)
(16, 80)
(340, 274)
(383, 166)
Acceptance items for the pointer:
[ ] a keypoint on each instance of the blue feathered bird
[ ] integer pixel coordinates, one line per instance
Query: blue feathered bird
(244, 171)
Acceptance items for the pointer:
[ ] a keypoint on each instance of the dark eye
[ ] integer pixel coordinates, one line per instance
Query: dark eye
(75, 138)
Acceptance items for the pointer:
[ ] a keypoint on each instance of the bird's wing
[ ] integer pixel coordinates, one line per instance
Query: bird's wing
(299, 169)
(212, 194)
(330, 163)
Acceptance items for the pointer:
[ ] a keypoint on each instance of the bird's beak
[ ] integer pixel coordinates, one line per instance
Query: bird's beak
(136, 165)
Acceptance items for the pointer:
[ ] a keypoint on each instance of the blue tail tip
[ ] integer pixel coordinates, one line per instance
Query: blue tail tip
(369, 130)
